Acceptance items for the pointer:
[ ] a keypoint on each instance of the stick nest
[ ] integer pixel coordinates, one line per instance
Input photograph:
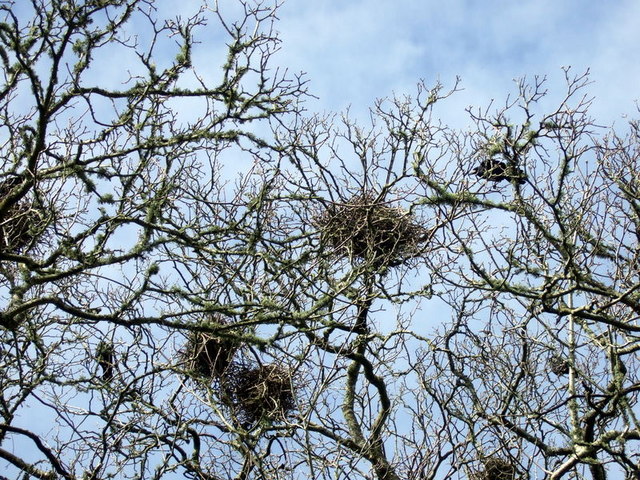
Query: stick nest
(369, 229)
(21, 224)
(496, 171)
(208, 355)
(558, 365)
(496, 468)
(262, 392)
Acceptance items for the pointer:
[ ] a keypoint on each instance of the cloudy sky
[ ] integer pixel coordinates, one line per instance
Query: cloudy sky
(357, 50)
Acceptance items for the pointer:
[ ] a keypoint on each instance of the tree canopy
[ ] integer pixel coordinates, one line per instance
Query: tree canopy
(199, 279)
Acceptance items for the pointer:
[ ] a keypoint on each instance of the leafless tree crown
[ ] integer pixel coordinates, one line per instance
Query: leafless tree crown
(200, 280)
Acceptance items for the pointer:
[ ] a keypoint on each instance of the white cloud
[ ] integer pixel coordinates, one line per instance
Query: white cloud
(357, 51)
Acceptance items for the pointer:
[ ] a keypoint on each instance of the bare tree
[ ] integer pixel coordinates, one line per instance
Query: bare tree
(387, 300)
(118, 234)
(542, 278)
(532, 266)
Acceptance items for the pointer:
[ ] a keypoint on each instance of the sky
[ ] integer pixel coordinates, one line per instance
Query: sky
(354, 51)
(359, 50)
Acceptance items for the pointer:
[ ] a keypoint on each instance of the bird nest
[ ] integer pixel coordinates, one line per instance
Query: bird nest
(369, 229)
(558, 365)
(496, 468)
(21, 224)
(265, 392)
(209, 355)
(496, 171)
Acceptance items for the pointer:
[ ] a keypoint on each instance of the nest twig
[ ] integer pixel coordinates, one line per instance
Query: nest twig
(496, 171)
(21, 224)
(209, 355)
(496, 468)
(262, 392)
(369, 229)
(558, 365)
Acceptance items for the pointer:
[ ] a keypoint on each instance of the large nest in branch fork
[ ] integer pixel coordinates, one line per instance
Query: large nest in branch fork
(209, 355)
(496, 468)
(496, 171)
(369, 229)
(265, 392)
(558, 365)
(21, 223)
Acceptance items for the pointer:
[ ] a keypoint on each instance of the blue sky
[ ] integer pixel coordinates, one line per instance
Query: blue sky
(356, 51)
